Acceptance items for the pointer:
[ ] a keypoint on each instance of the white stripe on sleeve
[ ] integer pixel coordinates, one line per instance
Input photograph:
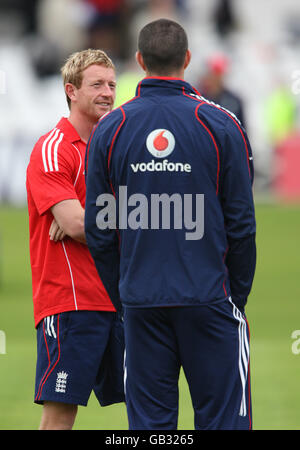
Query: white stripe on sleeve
(44, 148)
(49, 149)
(55, 151)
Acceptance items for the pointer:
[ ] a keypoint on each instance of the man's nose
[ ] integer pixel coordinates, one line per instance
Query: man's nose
(107, 90)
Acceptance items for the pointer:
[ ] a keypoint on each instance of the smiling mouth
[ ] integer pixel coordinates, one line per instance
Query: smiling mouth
(104, 104)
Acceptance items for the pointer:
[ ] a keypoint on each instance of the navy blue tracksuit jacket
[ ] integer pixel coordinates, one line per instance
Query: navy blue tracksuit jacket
(169, 140)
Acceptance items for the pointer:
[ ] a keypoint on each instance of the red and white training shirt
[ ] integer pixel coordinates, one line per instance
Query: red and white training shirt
(64, 276)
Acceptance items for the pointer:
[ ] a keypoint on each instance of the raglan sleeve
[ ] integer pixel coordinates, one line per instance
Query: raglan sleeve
(49, 175)
(237, 175)
(100, 216)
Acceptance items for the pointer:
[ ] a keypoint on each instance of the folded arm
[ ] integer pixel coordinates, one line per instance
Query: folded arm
(69, 216)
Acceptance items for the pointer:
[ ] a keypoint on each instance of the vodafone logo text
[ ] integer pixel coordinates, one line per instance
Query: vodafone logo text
(161, 166)
(161, 143)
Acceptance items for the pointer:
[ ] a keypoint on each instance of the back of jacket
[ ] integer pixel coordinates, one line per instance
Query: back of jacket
(180, 171)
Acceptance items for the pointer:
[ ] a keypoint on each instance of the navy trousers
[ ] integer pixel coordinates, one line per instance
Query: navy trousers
(210, 343)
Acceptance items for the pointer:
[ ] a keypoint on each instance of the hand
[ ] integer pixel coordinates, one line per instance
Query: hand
(55, 232)
(69, 214)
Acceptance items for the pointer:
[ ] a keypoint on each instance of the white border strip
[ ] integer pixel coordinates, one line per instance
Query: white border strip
(243, 355)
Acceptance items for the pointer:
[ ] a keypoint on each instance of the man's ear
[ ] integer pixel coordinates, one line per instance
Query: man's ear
(140, 60)
(70, 91)
(187, 59)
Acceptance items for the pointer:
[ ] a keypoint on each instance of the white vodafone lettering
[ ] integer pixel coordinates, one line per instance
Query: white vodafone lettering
(161, 166)
(160, 143)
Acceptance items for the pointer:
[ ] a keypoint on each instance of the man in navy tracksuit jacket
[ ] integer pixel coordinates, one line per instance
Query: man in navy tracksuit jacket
(170, 223)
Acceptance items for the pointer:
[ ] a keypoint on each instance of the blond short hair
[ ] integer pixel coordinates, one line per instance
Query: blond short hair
(78, 62)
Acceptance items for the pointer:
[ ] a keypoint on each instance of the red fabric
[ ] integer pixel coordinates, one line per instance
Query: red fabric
(64, 276)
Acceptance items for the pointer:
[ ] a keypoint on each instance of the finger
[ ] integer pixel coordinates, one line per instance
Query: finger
(54, 230)
(60, 235)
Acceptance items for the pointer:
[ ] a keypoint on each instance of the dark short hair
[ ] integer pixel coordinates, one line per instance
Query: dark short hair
(163, 44)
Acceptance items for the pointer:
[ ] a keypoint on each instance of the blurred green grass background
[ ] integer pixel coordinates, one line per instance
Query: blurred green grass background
(272, 312)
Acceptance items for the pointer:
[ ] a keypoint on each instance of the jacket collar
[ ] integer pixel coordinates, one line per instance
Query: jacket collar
(148, 84)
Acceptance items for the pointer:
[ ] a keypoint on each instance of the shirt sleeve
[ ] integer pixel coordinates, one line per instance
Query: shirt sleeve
(100, 223)
(50, 177)
(237, 174)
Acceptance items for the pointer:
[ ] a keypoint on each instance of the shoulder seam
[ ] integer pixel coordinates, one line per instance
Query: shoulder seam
(193, 96)
(244, 140)
(115, 135)
(214, 143)
(235, 120)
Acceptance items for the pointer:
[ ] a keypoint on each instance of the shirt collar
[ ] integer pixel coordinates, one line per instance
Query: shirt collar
(145, 85)
(69, 131)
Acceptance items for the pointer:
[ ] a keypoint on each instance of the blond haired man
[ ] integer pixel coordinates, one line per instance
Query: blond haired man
(79, 334)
